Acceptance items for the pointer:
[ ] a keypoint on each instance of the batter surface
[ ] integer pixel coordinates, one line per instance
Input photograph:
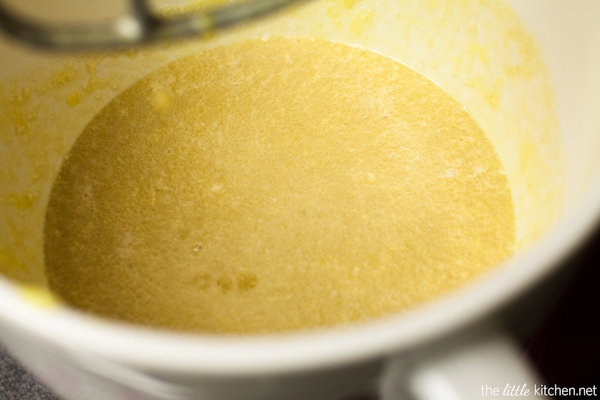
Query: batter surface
(275, 185)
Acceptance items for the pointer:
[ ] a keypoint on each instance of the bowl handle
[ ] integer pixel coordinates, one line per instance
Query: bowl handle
(490, 366)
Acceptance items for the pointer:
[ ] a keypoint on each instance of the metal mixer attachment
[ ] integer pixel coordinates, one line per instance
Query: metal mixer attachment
(141, 25)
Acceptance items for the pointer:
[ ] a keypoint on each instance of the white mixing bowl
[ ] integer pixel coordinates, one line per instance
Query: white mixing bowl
(527, 70)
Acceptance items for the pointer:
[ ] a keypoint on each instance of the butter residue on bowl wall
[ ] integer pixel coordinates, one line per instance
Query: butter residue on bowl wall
(477, 50)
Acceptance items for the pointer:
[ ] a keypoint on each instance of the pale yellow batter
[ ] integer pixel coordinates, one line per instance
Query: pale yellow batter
(276, 185)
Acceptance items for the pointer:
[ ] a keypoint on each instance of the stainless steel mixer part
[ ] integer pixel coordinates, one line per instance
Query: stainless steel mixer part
(141, 25)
